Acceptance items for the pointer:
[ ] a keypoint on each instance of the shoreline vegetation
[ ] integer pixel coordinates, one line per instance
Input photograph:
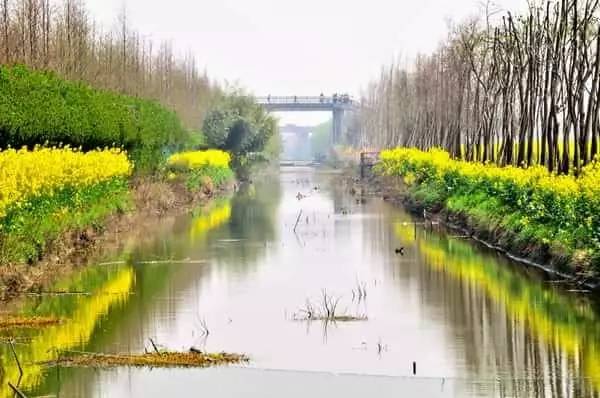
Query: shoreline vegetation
(543, 217)
(63, 225)
(78, 164)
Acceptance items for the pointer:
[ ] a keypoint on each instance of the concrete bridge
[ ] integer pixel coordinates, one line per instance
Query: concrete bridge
(336, 104)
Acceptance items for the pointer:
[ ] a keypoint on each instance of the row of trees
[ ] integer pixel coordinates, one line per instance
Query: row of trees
(522, 90)
(62, 37)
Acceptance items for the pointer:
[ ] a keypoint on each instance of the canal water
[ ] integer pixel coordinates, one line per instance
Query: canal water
(448, 318)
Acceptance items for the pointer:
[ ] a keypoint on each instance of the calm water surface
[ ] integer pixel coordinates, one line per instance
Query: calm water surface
(475, 324)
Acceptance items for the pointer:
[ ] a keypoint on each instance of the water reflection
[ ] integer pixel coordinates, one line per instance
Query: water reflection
(537, 340)
(80, 316)
(475, 324)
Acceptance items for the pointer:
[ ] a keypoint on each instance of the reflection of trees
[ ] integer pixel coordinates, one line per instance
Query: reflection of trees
(254, 210)
(80, 316)
(196, 237)
(250, 215)
(251, 226)
(511, 322)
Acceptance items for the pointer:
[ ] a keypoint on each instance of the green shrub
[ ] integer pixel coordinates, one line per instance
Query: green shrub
(41, 108)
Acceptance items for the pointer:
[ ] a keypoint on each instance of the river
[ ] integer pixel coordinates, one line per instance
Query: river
(447, 318)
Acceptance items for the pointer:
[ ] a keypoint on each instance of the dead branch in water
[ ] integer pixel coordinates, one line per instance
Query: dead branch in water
(16, 390)
(154, 346)
(58, 293)
(204, 326)
(297, 221)
(150, 262)
(12, 348)
(361, 291)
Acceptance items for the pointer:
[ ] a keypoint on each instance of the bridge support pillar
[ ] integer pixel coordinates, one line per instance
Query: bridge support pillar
(338, 120)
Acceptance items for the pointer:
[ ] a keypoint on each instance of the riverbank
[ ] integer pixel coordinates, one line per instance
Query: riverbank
(495, 220)
(152, 201)
(393, 190)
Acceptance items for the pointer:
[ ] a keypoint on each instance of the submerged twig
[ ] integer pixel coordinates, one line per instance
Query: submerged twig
(361, 291)
(297, 221)
(12, 348)
(150, 262)
(204, 326)
(58, 293)
(16, 390)
(113, 263)
(154, 346)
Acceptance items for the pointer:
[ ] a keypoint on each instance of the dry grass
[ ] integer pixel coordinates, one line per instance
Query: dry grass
(21, 322)
(327, 310)
(160, 360)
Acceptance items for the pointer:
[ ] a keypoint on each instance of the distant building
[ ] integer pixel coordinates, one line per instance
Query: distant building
(296, 142)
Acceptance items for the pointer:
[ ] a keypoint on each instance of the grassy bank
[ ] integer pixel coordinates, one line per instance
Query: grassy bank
(548, 218)
(46, 191)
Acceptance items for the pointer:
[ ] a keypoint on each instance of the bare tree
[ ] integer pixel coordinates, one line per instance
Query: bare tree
(61, 36)
(523, 91)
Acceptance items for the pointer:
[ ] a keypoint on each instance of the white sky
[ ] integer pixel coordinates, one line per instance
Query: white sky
(295, 47)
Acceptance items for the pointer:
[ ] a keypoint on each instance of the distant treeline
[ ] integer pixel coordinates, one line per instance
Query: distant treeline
(61, 36)
(41, 108)
(525, 90)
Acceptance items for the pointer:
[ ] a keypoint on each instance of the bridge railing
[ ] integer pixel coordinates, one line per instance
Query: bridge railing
(271, 100)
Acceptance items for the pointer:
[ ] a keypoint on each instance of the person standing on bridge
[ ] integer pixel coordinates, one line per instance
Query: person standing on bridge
(295, 98)
(321, 98)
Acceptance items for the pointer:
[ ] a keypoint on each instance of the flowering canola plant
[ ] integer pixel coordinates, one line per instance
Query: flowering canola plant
(27, 174)
(565, 206)
(199, 159)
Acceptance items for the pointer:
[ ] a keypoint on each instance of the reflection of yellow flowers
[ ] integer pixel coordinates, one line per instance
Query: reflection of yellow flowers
(69, 334)
(211, 220)
(43, 171)
(570, 326)
(199, 159)
(405, 231)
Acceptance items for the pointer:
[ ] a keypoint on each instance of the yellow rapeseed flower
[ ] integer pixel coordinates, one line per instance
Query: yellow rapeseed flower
(199, 159)
(26, 174)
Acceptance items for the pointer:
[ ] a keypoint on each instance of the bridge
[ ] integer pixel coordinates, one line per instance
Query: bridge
(337, 104)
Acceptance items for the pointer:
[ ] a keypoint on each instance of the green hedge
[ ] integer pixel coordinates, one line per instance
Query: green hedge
(39, 108)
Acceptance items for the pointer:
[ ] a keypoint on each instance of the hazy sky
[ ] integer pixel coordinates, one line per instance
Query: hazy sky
(300, 47)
